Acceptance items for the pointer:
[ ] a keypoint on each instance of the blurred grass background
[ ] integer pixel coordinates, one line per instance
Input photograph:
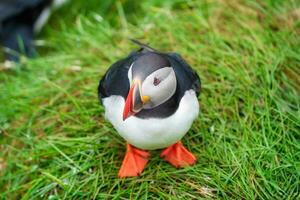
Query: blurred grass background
(55, 143)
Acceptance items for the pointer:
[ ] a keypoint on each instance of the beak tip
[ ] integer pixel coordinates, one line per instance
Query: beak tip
(126, 115)
(127, 112)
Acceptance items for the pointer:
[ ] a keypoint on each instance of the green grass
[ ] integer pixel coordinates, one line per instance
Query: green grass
(56, 144)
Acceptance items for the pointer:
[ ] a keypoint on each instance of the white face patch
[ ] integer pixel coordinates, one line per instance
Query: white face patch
(159, 86)
(130, 74)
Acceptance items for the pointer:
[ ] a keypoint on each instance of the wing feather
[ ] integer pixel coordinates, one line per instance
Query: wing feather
(186, 76)
(115, 81)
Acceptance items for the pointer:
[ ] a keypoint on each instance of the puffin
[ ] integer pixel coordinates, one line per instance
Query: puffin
(150, 98)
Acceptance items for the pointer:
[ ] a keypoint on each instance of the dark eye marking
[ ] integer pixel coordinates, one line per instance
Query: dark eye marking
(156, 81)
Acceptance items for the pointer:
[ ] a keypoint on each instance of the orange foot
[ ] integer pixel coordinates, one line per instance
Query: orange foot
(134, 162)
(178, 155)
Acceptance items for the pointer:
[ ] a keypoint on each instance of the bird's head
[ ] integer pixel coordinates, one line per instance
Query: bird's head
(152, 82)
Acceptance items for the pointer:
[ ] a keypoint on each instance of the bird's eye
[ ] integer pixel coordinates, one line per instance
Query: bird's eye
(156, 81)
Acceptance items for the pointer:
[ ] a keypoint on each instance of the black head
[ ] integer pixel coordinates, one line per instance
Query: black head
(152, 82)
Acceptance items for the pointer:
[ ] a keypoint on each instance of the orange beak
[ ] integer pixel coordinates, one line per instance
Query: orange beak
(127, 112)
(134, 101)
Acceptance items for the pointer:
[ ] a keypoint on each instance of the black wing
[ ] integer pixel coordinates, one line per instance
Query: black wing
(115, 81)
(187, 78)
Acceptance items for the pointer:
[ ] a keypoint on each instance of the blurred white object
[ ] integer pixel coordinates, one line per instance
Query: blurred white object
(45, 15)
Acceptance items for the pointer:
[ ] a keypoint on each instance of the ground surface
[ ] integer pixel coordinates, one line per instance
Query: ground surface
(55, 143)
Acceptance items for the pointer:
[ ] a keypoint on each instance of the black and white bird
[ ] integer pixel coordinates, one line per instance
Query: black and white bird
(20, 20)
(150, 97)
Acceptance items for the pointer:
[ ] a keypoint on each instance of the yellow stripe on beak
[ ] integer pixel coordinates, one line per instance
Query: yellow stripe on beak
(145, 99)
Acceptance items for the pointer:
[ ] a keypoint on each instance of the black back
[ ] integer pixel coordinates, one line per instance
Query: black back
(115, 82)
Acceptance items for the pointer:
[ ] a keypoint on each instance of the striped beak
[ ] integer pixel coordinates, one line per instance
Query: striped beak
(135, 100)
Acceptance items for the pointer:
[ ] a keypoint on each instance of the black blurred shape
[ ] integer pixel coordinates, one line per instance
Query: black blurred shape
(17, 19)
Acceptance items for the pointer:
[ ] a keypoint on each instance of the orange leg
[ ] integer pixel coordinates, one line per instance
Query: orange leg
(178, 155)
(134, 162)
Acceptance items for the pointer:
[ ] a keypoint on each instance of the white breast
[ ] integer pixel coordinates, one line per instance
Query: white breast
(152, 133)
